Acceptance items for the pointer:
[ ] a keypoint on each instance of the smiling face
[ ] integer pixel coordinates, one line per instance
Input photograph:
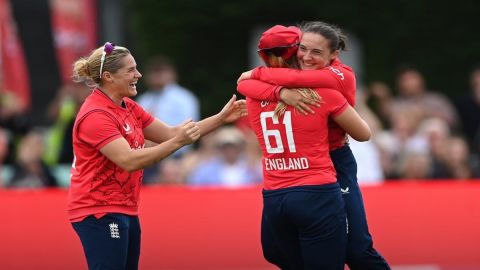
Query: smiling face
(314, 52)
(123, 82)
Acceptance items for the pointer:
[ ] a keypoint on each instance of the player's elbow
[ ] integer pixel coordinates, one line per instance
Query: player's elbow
(242, 88)
(130, 168)
(128, 164)
(363, 137)
(363, 134)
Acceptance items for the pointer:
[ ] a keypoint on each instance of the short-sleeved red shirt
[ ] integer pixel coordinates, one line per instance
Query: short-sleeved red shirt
(337, 76)
(295, 147)
(98, 185)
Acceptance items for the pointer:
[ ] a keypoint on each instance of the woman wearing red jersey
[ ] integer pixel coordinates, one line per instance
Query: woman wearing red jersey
(108, 142)
(303, 219)
(317, 54)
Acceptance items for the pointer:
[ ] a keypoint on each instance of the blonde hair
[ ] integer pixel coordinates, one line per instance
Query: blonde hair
(278, 62)
(87, 69)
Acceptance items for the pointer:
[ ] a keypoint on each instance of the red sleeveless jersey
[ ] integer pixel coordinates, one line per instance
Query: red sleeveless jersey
(98, 185)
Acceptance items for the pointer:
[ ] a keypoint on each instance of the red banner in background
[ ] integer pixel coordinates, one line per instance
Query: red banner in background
(14, 77)
(74, 27)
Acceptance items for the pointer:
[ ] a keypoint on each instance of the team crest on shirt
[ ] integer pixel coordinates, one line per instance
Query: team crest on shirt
(264, 103)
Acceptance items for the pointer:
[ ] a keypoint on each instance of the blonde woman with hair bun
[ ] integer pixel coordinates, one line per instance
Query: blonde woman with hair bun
(109, 147)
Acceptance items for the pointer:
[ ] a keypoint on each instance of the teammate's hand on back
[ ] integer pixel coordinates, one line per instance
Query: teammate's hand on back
(301, 102)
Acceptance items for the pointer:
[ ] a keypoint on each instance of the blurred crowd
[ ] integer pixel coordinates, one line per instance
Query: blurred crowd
(419, 134)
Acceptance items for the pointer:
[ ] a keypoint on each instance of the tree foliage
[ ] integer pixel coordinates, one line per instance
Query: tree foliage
(208, 40)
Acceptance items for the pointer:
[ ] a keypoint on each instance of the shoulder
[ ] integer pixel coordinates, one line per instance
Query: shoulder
(95, 123)
(342, 71)
(97, 116)
(432, 97)
(92, 106)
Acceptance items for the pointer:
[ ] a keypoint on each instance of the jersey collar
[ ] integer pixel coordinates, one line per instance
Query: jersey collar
(110, 103)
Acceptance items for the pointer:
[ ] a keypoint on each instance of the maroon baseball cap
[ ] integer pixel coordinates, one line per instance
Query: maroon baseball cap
(279, 36)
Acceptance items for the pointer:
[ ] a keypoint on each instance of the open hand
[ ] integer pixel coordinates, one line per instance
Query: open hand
(301, 101)
(233, 110)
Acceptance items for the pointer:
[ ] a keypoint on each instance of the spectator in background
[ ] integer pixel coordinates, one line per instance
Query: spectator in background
(165, 99)
(413, 90)
(205, 151)
(14, 119)
(413, 93)
(468, 107)
(436, 132)
(174, 171)
(401, 139)
(369, 169)
(414, 165)
(230, 166)
(460, 163)
(29, 169)
(378, 96)
(62, 111)
(252, 147)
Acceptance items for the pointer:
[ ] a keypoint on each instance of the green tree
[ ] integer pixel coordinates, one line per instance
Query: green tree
(208, 40)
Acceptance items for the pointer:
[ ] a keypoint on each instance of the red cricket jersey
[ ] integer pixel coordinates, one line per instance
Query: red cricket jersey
(98, 185)
(337, 76)
(295, 147)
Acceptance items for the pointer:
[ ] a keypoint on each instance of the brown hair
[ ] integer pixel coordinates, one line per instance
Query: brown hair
(87, 69)
(335, 36)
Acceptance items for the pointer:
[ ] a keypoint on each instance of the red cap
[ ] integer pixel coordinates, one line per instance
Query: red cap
(279, 36)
